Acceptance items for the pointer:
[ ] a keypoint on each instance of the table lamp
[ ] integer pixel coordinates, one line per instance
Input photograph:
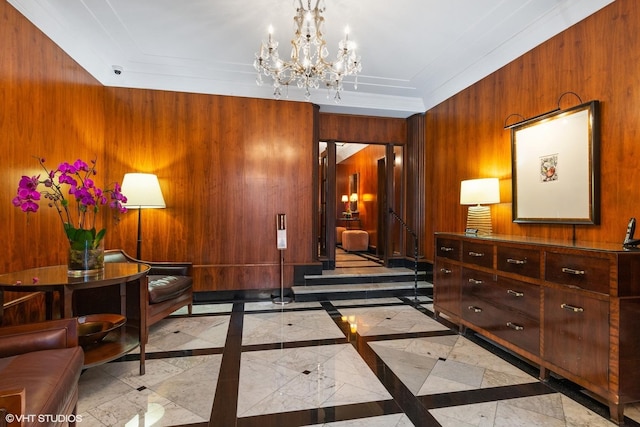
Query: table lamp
(477, 192)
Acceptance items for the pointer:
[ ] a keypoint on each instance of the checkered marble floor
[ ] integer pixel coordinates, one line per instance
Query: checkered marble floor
(377, 362)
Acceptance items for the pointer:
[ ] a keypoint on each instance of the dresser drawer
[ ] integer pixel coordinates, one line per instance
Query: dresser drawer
(509, 293)
(580, 271)
(478, 284)
(448, 248)
(478, 254)
(512, 326)
(519, 296)
(446, 288)
(519, 260)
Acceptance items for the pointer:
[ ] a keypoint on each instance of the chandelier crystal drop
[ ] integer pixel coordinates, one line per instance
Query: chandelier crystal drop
(308, 67)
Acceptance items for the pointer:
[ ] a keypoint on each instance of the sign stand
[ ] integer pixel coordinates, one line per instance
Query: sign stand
(281, 242)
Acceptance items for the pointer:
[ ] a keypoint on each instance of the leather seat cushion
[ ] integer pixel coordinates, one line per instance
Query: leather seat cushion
(49, 377)
(163, 287)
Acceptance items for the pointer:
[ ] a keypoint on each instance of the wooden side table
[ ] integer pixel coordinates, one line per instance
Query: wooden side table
(132, 283)
(351, 223)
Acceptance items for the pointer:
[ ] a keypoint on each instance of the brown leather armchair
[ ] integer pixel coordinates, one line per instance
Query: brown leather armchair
(170, 285)
(40, 365)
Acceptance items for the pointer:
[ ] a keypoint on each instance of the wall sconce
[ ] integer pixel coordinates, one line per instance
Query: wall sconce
(477, 192)
(142, 191)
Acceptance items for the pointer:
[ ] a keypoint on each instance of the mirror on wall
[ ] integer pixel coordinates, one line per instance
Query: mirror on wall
(353, 192)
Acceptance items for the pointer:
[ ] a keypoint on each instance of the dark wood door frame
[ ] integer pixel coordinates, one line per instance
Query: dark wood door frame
(389, 161)
(330, 233)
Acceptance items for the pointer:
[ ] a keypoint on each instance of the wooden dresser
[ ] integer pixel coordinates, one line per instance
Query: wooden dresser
(573, 309)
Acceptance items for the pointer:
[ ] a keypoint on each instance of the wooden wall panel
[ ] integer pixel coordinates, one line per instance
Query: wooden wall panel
(49, 107)
(227, 166)
(414, 192)
(465, 135)
(364, 129)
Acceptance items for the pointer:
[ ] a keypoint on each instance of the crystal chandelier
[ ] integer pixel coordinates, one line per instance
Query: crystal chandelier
(309, 67)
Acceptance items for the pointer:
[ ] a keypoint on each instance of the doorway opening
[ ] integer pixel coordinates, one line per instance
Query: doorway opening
(358, 184)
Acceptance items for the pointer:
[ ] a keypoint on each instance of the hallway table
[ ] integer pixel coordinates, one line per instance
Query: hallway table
(131, 280)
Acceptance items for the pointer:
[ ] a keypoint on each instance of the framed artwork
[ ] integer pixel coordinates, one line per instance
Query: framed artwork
(555, 167)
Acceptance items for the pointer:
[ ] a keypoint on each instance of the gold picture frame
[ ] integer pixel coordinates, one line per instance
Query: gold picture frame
(555, 166)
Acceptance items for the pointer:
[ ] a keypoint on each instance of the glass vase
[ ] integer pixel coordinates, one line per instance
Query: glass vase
(87, 261)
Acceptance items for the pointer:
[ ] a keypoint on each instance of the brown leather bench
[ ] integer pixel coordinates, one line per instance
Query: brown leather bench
(170, 285)
(40, 365)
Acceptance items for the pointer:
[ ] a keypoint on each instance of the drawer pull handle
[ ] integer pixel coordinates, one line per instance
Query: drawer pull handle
(573, 271)
(515, 326)
(516, 261)
(572, 308)
(476, 282)
(445, 271)
(515, 293)
(476, 254)
(475, 309)
(446, 249)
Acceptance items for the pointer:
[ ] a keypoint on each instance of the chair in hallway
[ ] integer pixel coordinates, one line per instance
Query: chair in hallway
(170, 285)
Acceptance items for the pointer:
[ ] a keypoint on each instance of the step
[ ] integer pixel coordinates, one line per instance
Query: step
(355, 278)
(360, 290)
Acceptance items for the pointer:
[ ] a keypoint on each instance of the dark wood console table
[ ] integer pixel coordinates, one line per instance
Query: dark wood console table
(350, 223)
(572, 309)
(132, 287)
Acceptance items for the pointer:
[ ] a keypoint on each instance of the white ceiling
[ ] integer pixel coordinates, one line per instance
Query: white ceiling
(415, 53)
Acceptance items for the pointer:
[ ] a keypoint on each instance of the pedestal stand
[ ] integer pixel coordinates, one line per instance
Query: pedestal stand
(282, 300)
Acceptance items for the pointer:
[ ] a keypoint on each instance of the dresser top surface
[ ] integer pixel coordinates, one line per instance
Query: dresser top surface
(593, 246)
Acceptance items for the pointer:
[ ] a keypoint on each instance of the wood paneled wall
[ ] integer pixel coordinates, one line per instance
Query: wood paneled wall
(51, 108)
(363, 129)
(597, 58)
(227, 166)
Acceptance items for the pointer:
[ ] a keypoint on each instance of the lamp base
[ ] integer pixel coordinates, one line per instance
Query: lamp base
(479, 217)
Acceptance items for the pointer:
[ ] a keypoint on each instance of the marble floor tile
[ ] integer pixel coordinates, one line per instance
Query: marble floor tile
(276, 327)
(550, 410)
(205, 309)
(365, 301)
(273, 381)
(446, 364)
(269, 305)
(633, 411)
(115, 394)
(389, 320)
(392, 420)
(184, 333)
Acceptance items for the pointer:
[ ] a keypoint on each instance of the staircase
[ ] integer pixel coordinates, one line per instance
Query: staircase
(372, 282)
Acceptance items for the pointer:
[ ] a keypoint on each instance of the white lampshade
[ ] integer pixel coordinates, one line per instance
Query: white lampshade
(142, 191)
(480, 191)
(477, 192)
(345, 198)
